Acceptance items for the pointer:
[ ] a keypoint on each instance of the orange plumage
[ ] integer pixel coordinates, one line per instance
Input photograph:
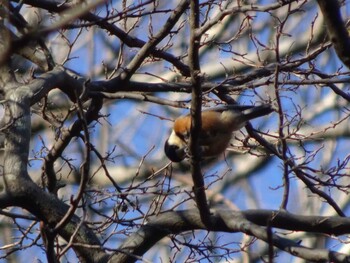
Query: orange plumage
(217, 127)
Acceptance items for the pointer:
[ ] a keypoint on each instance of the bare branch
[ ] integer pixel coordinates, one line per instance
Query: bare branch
(43, 205)
(196, 119)
(336, 29)
(152, 43)
(235, 221)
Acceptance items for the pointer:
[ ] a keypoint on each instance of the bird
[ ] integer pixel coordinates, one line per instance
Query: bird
(218, 123)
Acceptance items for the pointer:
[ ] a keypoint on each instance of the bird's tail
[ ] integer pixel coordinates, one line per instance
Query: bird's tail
(257, 111)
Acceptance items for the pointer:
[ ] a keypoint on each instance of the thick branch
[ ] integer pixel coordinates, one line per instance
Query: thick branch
(24, 193)
(336, 29)
(196, 119)
(251, 222)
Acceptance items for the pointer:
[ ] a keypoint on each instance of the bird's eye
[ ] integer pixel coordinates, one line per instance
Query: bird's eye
(183, 136)
(180, 135)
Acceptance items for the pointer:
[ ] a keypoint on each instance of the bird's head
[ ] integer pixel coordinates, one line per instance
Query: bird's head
(175, 148)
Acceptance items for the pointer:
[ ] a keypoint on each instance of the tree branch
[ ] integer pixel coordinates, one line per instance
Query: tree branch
(196, 119)
(153, 42)
(251, 222)
(293, 167)
(57, 7)
(336, 29)
(23, 192)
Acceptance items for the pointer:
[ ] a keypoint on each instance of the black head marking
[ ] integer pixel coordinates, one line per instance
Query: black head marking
(174, 152)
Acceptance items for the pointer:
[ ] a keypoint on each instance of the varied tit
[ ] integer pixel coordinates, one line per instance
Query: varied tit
(217, 127)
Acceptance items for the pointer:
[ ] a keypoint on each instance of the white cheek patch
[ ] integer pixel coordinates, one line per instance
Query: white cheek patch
(175, 140)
